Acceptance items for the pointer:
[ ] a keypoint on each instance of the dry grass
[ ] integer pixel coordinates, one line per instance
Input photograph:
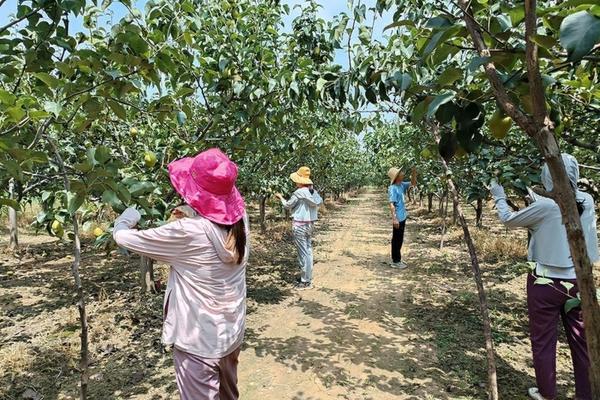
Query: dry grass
(494, 246)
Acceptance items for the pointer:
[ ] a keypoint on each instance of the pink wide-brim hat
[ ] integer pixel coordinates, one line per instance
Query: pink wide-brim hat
(207, 184)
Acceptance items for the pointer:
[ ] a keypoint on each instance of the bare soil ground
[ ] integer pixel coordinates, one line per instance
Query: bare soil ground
(366, 331)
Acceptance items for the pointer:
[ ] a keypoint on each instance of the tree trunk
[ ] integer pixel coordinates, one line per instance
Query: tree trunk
(147, 275)
(454, 214)
(540, 129)
(263, 207)
(429, 202)
(84, 353)
(479, 213)
(483, 304)
(444, 225)
(12, 219)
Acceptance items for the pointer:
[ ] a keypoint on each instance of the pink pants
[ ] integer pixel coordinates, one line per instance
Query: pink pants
(200, 378)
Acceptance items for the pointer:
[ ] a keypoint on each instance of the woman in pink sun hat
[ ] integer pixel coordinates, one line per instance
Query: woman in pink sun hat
(205, 300)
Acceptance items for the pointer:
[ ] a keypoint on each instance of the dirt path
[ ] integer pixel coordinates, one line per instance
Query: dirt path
(356, 335)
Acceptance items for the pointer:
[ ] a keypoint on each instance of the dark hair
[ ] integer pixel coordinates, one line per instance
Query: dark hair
(310, 188)
(238, 232)
(580, 206)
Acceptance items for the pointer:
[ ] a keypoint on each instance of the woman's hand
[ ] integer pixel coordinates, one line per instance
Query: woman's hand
(279, 196)
(396, 223)
(497, 190)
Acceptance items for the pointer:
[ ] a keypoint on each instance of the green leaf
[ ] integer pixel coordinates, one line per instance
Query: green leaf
(546, 42)
(136, 43)
(184, 92)
(567, 285)
(383, 92)
(53, 108)
(438, 22)
(181, 118)
(446, 112)
(399, 23)
(109, 197)
(433, 43)
(74, 201)
(123, 194)
(371, 95)
(449, 76)
(102, 154)
(364, 34)
(84, 167)
(438, 101)
(141, 188)
(223, 62)
(476, 63)
(118, 109)
(16, 113)
(36, 115)
(419, 111)
(579, 33)
(48, 79)
(571, 304)
(7, 98)
(403, 80)
(321, 84)
(543, 281)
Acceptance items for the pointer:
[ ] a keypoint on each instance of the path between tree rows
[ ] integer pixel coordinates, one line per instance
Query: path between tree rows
(366, 331)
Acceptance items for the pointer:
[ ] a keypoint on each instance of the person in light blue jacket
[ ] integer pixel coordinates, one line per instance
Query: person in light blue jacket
(304, 205)
(553, 283)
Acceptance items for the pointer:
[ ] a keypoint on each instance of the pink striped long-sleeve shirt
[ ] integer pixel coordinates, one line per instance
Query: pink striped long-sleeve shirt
(205, 300)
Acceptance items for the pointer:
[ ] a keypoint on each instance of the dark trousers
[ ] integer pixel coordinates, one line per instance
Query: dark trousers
(397, 240)
(545, 304)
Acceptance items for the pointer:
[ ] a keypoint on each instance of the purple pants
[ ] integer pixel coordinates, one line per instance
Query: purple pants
(546, 307)
(200, 378)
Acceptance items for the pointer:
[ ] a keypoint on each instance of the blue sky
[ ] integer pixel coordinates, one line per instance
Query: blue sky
(330, 8)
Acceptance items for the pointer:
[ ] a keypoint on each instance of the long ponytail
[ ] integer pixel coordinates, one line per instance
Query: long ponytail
(237, 238)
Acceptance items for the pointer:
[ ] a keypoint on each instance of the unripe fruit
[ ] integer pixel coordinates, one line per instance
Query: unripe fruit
(133, 131)
(149, 159)
(57, 228)
(500, 125)
(98, 232)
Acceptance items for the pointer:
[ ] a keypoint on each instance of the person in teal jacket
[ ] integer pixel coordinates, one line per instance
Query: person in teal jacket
(398, 187)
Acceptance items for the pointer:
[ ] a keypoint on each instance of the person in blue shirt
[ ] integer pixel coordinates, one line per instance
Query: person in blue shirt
(398, 187)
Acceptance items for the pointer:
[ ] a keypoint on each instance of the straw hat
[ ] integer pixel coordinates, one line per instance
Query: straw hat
(393, 173)
(207, 184)
(302, 176)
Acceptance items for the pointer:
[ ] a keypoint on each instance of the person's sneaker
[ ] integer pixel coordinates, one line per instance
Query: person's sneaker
(534, 393)
(303, 286)
(399, 265)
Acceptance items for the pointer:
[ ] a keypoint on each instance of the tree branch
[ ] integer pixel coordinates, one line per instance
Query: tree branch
(536, 87)
(16, 127)
(465, 7)
(16, 21)
(104, 82)
(578, 143)
(490, 69)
